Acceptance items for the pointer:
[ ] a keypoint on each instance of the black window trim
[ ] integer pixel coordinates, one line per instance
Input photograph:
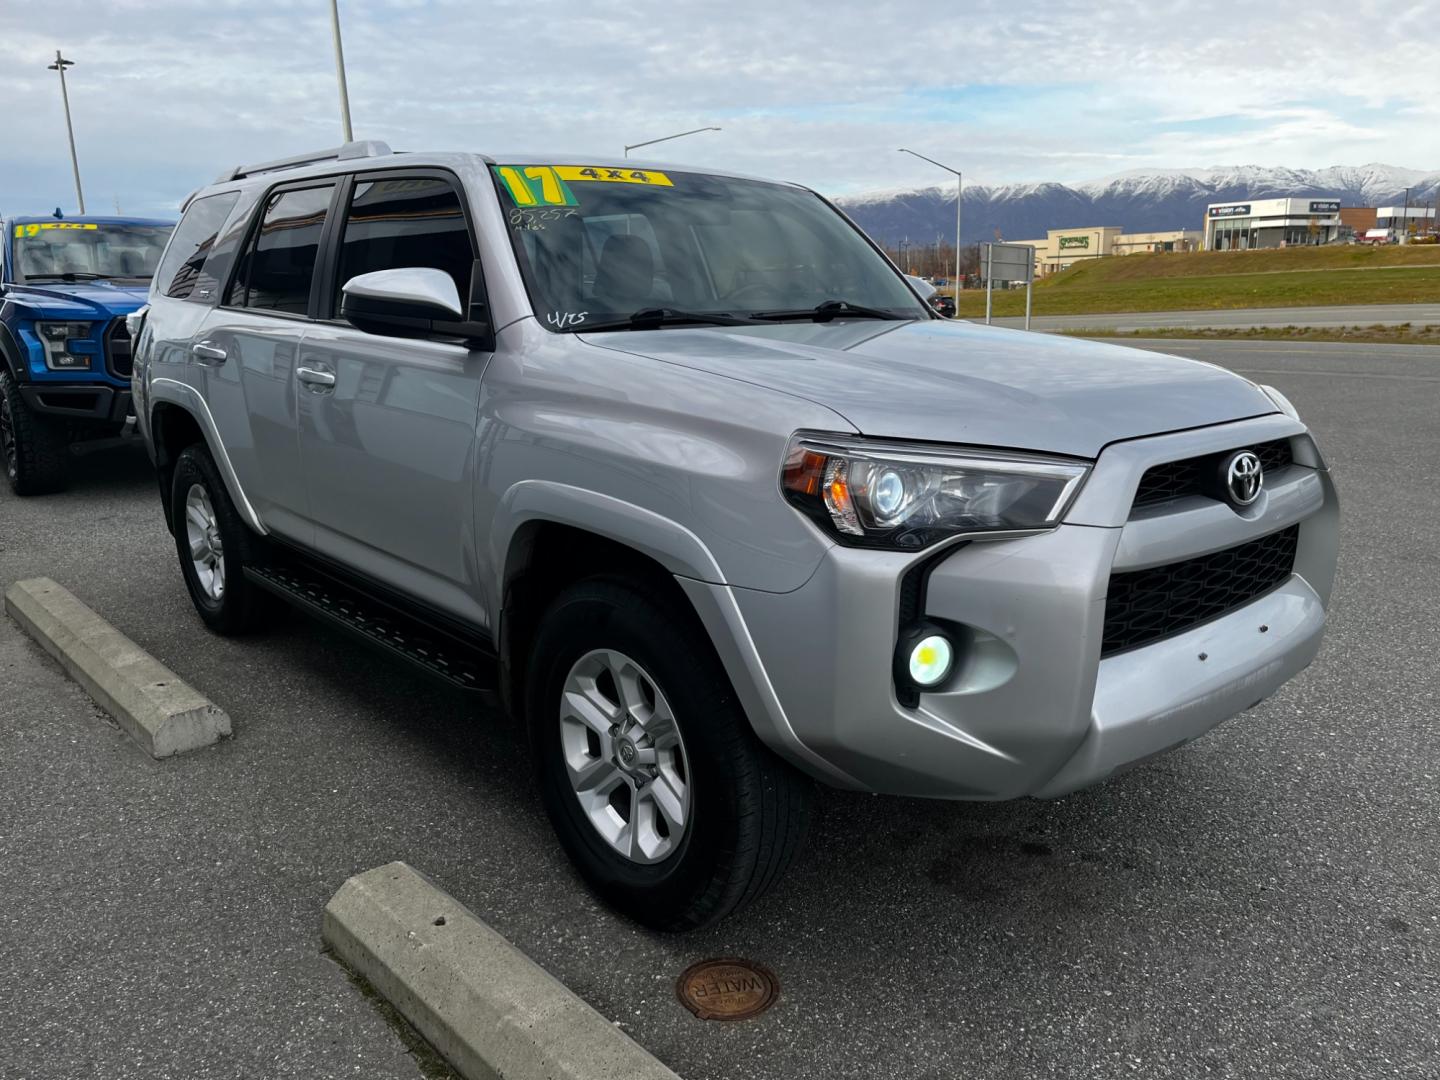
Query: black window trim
(335, 181)
(330, 251)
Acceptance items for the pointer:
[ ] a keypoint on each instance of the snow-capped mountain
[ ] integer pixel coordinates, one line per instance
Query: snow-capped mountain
(1139, 201)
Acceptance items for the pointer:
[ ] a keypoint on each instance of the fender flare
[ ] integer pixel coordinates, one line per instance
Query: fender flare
(668, 542)
(165, 391)
(683, 554)
(11, 355)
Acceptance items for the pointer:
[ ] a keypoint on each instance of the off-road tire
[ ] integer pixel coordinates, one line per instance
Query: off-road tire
(244, 607)
(35, 463)
(750, 808)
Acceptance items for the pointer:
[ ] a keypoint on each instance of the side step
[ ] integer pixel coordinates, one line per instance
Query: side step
(467, 665)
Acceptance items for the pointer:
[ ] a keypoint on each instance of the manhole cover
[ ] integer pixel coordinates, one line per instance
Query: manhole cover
(727, 989)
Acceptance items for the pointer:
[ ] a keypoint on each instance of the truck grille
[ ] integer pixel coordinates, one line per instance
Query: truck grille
(1176, 479)
(119, 360)
(1146, 605)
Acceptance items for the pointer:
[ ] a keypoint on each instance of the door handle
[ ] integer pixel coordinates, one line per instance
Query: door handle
(207, 352)
(312, 377)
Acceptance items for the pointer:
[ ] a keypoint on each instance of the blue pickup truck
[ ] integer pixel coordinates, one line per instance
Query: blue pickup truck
(66, 285)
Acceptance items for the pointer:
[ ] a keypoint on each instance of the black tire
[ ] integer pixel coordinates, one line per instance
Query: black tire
(242, 606)
(33, 449)
(750, 809)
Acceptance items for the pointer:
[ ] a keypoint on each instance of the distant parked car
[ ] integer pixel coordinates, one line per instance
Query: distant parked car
(66, 285)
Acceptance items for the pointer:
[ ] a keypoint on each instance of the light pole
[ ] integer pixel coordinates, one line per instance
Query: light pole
(340, 71)
(60, 65)
(959, 195)
(667, 138)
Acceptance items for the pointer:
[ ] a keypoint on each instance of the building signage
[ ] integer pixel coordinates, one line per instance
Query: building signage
(1235, 210)
(1324, 207)
(1074, 242)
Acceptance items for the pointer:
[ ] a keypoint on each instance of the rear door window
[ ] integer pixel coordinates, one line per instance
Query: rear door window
(278, 267)
(182, 273)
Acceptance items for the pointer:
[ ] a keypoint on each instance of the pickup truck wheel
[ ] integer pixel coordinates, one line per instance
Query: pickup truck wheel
(32, 448)
(215, 546)
(660, 792)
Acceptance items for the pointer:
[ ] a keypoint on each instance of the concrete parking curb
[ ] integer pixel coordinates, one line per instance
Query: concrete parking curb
(485, 1006)
(154, 706)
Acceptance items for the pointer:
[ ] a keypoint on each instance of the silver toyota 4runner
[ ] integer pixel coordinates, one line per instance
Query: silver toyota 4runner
(681, 467)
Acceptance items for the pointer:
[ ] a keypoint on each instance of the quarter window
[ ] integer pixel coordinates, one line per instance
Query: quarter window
(404, 223)
(192, 250)
(277, 269)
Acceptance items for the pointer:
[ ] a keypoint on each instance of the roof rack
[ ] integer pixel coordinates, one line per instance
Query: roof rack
(364, 149)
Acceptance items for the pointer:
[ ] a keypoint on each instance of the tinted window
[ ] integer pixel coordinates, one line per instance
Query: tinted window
(276, 270)
(403, 223)
(192, 248)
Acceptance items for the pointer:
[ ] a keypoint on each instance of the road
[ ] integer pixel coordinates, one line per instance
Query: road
(1261, 903)
(1349, 315)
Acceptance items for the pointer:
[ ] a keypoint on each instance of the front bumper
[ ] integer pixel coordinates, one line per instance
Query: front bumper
(78, 401)
(1034, 709)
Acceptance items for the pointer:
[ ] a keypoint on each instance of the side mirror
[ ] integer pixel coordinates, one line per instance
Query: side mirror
(413, 301)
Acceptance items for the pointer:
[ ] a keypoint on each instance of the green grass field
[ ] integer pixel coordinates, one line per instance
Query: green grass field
(1209, 280)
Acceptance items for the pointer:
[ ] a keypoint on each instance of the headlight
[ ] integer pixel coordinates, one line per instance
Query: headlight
(56, 338)
(892, 495)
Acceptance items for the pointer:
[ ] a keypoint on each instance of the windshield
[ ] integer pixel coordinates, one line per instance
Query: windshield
(599, 245)
(87, 250)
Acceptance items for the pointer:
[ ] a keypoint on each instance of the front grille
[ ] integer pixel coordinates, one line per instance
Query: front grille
(1147, 605)
(1192, 476)
(119, 360)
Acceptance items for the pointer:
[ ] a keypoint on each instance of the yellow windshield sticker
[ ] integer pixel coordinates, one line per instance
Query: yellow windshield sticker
(535, 185)
(605, 174)
(37, 226)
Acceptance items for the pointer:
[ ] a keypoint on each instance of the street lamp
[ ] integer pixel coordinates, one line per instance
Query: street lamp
(60, 65)
(959, 195)
(340, 71)
(667, 138)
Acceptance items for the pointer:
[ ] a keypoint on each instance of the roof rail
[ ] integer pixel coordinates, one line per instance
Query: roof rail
(364, 149)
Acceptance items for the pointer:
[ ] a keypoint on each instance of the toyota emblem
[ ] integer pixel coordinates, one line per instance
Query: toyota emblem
(1244, 477)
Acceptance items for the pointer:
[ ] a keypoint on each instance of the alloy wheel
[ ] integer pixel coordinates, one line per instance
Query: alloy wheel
(624, 756)
(207, 552)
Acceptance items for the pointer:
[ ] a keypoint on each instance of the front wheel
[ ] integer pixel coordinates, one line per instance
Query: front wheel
(32, 448)
(215, 546)
(660, 793)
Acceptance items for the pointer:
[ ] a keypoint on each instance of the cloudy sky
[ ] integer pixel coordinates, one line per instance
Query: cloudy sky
(166, 93)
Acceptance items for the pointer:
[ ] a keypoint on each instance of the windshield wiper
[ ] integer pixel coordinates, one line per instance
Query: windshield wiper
(653, 318)
(68, 275)
(827, 310)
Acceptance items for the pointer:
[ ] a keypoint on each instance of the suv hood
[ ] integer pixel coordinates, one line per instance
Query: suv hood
(957, 382)
(94, 300)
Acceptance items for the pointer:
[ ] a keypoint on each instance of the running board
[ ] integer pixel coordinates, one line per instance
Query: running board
(462, 664)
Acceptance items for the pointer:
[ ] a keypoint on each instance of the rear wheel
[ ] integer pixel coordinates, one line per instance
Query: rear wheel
(660, 793)
(215, 546)
(32, 448)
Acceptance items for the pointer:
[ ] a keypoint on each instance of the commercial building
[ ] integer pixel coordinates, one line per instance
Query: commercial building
(1063, 248)
(1271, 223)
(1404, 222)
(1174, 240)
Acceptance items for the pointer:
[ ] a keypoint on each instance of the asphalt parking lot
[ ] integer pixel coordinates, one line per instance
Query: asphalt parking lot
(1262, 903)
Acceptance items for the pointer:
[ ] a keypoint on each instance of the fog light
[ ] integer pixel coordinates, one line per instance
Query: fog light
(930, 660)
